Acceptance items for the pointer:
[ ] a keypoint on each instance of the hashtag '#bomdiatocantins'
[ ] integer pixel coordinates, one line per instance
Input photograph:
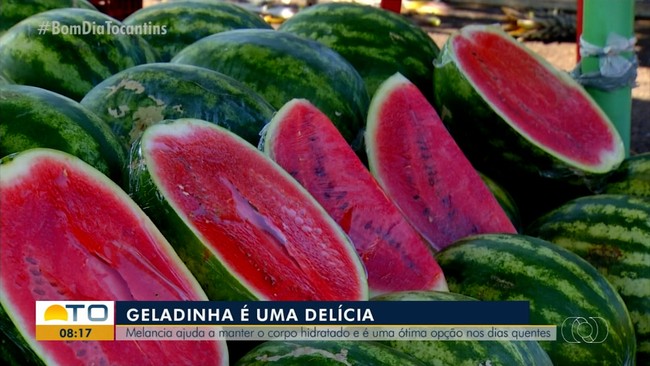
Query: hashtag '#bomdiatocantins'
(44, 27)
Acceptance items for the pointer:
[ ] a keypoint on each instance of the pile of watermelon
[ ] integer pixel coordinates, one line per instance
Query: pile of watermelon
(343, 156)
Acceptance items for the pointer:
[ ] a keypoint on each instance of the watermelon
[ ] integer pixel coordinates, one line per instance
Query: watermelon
(241, 224)
(33, 117)
(13, 11)
(377, 42)
(562, 289)
(453, 353)
(138, 97)
(612, 232)
(421, 168)
(631, 177)
(69, 64)
(521, 121)
(505, 200)
(305, 143)
(185, 22)
(326, 353)
(281, 66)
(83, 239)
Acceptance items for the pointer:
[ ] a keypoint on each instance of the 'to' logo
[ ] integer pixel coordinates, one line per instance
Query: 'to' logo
(579, 329)
(75, 320)
(75, 312)
(93, 313)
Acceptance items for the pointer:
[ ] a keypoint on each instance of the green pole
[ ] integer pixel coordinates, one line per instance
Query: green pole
(601, 18)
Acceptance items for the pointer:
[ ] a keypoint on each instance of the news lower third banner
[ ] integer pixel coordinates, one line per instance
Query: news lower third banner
(266, 320)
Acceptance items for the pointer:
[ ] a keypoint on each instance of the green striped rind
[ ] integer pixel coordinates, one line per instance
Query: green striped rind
(465, 353)
(377, 42)
(557, 283)
(537, 179)
(33, 117)
(632, 177)
(14, 349)
(187, 21)
(612, 232)
(281, 66)
(68, 64)
(505, 200)
(216, 280)
(423, 296)
(13, 11)
(138, 97)
(326, 353)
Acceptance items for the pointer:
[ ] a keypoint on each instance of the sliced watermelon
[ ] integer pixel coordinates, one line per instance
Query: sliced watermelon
(421, 168)
(69, 233)
(243, 226)
(521, 121)
(303, 141)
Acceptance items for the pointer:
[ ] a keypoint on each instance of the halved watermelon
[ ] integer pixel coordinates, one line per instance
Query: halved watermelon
(69, 233)
(303, 141)
(521, 121)
(421, 168)
(243, 226)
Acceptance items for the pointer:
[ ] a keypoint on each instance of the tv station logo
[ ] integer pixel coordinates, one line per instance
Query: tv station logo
(578, 329)
(75, 320)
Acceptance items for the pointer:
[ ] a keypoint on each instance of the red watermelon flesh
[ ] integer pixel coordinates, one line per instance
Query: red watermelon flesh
(420, 166)
(68, 233)
(548, 108)
(261, 225)
(303, 141)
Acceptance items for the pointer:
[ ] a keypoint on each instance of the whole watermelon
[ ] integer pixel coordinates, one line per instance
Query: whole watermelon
(140, 96)
(377, 42)
(326, 353)
(593, 324)
(612, 232)
(51, 50)
(632, 177)
(185, 22)
(451, 353)
(281, 66)
(13, 11)
(32, 117)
